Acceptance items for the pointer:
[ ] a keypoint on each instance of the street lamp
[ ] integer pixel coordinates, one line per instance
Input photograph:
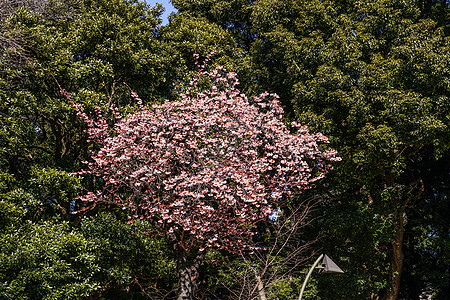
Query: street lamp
(327, 266)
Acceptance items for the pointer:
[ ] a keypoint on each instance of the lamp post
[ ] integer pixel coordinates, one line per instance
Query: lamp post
(327, 266)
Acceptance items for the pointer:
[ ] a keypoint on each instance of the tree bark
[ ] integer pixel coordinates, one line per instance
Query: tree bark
(396, 265)
(397, 258)
(261, 291)
(187, 272)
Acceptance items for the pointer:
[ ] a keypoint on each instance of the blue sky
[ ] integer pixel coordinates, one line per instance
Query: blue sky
(167, 5)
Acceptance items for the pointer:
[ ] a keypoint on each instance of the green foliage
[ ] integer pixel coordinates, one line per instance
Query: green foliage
(10, 215)
(189, 35)
(288, 288)
(362, 76)
(88, 48)
(231, 15)
(46, 261)
(130, 255)
(55, 188)
(56, 261)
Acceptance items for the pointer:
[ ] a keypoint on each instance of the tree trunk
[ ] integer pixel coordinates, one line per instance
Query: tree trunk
(395, 272)
(261, 292)
(187, 272)
(396, 259)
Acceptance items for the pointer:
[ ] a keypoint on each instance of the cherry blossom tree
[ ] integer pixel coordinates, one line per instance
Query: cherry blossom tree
(205, 169)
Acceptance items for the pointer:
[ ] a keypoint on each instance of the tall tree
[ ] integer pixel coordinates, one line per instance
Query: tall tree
(362, 72)
(88, 47)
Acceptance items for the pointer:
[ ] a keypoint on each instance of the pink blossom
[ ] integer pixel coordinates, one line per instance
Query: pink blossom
(209, 164)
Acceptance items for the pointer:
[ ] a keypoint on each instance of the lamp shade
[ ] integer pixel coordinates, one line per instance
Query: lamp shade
(328, 266)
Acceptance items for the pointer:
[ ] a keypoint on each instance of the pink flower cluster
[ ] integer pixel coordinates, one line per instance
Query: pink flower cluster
(206, 168)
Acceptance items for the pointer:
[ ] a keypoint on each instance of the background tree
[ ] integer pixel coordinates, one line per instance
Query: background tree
(42, 142)
(39, 126)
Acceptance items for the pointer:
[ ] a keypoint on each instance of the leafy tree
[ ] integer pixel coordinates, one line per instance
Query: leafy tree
(90, 52)
(46, 261)
(204, 169)
(131, 265)
(232, 15)
(361, 77)
(53, 260)
(89, 47)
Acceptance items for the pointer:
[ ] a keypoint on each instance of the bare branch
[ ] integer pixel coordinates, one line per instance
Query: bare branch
(282, 259)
